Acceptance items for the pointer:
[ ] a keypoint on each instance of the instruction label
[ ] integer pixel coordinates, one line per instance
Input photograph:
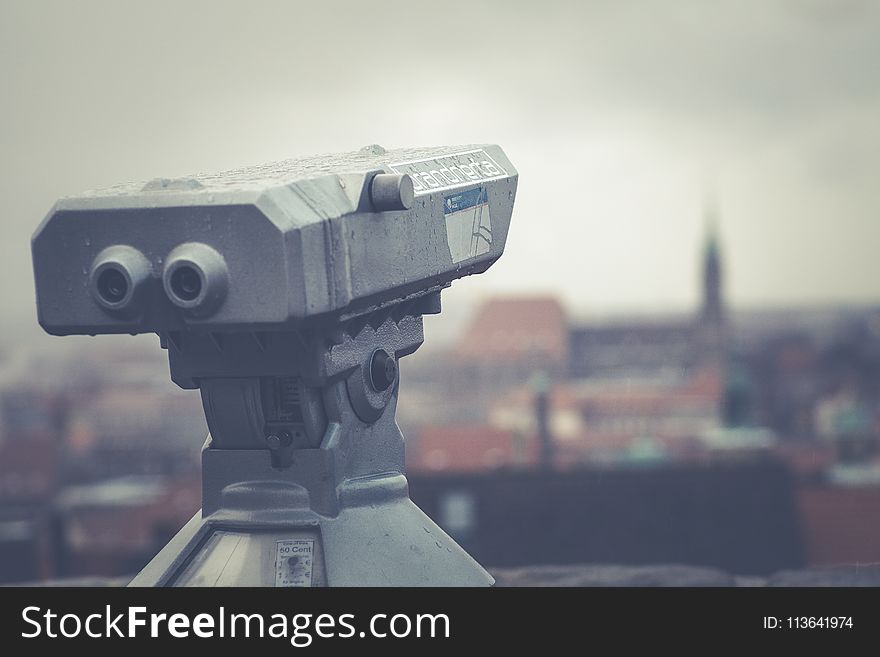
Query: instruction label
(293, 562)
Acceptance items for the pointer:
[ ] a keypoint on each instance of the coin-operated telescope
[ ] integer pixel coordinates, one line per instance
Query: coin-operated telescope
(287, 293)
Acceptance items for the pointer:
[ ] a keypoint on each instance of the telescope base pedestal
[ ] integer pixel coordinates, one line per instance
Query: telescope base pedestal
(388, 544)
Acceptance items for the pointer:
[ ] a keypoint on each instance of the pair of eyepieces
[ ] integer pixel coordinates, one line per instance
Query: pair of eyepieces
(194, 277)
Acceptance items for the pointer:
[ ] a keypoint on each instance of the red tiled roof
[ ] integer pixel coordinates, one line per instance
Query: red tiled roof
(517, 327)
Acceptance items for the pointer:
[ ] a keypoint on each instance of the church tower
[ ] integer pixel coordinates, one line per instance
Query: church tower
(711, 320)
(712, 312)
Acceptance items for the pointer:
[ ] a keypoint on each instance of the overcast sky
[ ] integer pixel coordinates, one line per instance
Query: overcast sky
(620, 116)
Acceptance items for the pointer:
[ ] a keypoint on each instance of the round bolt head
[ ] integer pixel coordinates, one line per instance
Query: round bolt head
(391, 191)
(383, 370)
(278, 439)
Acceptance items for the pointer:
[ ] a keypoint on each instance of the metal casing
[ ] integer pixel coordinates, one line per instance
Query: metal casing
(300, 240)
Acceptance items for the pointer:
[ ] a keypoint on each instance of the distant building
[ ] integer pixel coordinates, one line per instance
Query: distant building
(510, 339)
(135, 429)
(471, 448)
(712, 325)
(29, 478)
(657, 349)
(619, 421)
(652, 349)
(114, 527)
(31, 431)
(636, 390)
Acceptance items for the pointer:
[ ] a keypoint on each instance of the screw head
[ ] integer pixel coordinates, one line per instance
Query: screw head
(278, 439)
(383, 370)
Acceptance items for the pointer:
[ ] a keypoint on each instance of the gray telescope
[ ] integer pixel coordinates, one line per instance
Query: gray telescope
(286, 294)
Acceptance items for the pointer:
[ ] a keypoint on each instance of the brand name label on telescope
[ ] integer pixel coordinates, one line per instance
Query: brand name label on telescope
(293, 562)
(468, 224)
(435, 174)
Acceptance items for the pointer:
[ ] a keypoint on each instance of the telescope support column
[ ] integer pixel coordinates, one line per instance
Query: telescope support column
(303, 471)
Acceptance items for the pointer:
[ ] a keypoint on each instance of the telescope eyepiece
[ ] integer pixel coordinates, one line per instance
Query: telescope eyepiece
(112, 285)
(117, 277)
(195, 278)
(186, 283)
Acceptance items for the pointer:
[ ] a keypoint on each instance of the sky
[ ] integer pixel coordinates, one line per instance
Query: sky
(624, 119)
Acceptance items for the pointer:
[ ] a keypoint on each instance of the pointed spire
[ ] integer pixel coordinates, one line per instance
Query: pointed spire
(712, 302)
(711, 218)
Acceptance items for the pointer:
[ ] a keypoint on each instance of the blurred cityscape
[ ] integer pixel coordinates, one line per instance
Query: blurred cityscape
(736, 438)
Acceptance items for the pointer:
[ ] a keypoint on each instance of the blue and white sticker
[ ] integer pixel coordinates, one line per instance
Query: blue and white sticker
(468, 224)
